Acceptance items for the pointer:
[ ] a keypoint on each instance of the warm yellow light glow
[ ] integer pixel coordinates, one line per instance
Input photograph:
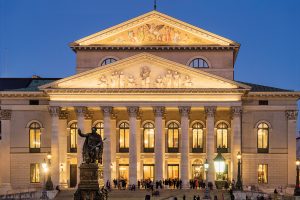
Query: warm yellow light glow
(297, 162)
(206, 165)
(239, 156)
(49, 156)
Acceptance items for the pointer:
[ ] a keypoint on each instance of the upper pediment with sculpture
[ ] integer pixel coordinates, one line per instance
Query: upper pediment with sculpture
(144, 71)
(153, 28)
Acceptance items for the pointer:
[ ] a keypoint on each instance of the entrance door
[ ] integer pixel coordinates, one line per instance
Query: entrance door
(173, 171)
(148, 172)
(123, 172)
(73, 175)
(197, 171)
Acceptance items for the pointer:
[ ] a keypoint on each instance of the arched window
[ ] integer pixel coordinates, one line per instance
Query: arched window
(263, 138)
(124, 137)
(100, 129)
(173, 137)
(73, 138)
(108, 61)
(197, 129)
(34, 137)
(198, 63)
(148, 135)
(222, 137)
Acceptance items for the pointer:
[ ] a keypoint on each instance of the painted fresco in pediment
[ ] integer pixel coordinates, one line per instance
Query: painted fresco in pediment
(143, 74)
(154, 33)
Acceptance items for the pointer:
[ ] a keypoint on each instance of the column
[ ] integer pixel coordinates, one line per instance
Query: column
(113, 144)
(159, 112)
(210, 143)
(236, 139)
(184, 150)
(291, 128)
(62, 143)
(133, 112)
(5, 117)
(107, 111)
(54, 112)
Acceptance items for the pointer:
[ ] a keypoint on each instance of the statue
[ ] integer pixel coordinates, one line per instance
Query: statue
(168, 79)
(103, 81)
(93, 147)
(145, 75)
(131, 81)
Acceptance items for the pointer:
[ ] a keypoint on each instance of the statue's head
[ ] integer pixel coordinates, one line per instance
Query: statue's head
(94, 130)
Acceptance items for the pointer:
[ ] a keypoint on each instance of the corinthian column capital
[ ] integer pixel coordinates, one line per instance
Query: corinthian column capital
(5, 114)
(291, 114)
(158, 111)
(133, 111)
(54, 111)
(107, 110)
(184, 110)
(210, 111)
(80, 110)
(236, 111)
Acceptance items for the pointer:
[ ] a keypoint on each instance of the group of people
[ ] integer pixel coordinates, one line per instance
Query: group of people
(121, 184)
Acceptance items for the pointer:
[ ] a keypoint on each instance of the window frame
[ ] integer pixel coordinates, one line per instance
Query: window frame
(263, 150)
(173, 149)
(191, 62)
(33, 177)
(99, 128)
(35, 149)
(124, 149)
(148, 149)
(111, 59)
(197, 149)
(73, 149)
(222, 149)
(267, 173)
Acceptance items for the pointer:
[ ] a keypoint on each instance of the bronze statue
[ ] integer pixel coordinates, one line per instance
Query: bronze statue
(93, 147)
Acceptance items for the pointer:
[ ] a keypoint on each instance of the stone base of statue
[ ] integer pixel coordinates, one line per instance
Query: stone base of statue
(88, 187)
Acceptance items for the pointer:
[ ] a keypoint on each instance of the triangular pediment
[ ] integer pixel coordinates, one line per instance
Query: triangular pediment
(153, 28)
(144, 71)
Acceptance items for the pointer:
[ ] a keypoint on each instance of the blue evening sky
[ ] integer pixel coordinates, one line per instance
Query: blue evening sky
(34, 34)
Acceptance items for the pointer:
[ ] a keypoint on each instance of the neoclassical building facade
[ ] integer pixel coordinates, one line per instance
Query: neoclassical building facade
(163, 94)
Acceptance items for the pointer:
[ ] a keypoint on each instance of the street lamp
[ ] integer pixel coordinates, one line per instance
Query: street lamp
(297, 188)
(219, 163)
(206, 193)
(49, 184)
(45, 170)
(239, 184)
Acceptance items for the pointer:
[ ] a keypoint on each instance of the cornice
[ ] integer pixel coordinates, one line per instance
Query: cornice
(16, 94)
(273, 94)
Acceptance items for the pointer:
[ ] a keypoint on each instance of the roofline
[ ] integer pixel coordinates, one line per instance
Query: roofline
(295, 94)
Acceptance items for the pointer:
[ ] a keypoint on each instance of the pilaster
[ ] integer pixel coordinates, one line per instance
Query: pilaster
(210, 143)
(291, 116)
(133, 112)
(62, 143)
(5, 179)
(184, 150)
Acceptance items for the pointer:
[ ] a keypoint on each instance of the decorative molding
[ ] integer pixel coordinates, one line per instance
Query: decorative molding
(5, 114)
(107, 110)
(184, 111)
(88, 115)
(54, 111)
(291, 114)
(159, 111)
(210, 111)
(133, 111)
(236, 111)
(80, 110)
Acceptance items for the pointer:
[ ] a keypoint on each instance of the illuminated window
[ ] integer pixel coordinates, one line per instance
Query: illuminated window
(108, 61)
(100, 129)
(73, 138)
(148, 172)
(262, 173)
(263, 138)
(173, 171)
(197, 129)
(123, 171)
(198, 63)
(124, 137)
(34, 173)
(34, 137)
(173, 137)
(148, 137)
(222, 137)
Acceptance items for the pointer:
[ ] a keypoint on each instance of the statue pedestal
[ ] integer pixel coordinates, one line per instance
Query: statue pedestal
(88, 187)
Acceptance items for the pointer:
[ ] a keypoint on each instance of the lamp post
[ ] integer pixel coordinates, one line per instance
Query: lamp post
(45, 170)
(239, 184)
(297, 188)
(49, 184)
(206, 193)
(219, 163)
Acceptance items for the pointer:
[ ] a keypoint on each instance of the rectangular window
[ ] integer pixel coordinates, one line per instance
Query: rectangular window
(34, 102)
(263, 102)
(124, 140)
(148, 172)
(173, 171)
(34, 173)
(262, 173)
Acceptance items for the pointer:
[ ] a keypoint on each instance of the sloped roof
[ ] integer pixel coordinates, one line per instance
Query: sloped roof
(263, 88)
(23, 84)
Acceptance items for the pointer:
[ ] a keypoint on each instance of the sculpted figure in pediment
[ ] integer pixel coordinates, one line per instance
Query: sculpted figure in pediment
(176, 77)
(168, 79)
(122, 80)
(187, 81)
(131, 81)
(103, 81)
(114, 80)
(159, 82)
(145, 76)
